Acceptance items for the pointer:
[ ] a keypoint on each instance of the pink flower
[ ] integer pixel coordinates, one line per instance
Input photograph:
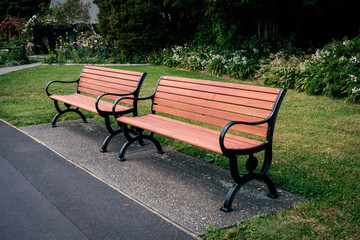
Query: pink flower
(59, 6)
(29, 46)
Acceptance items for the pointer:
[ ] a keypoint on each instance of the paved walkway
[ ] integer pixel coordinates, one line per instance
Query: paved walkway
(5, 70)
(43, 196)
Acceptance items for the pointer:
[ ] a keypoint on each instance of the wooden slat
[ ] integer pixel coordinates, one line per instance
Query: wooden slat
(98, 93)
(208, 112)
(108, 87)
(123, 81)
(108, 74)
(86, 102)
(224, 84)
(114, 70)
(221, 90)
(219, 105)
(219, 98)
(192, 134)
(210, 120)
(158, 118)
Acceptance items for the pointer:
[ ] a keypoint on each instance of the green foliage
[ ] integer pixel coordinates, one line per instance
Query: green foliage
(137, 26)
(14, 52)
(332, 71)
(239, 63)
(22, 8)
(71, 12)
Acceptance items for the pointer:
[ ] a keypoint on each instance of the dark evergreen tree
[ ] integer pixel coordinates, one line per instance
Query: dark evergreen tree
(135, 26)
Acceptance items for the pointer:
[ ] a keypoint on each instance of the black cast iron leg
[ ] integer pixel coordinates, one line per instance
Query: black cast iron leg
(124, 148)
(111, 135)
(107, 140)
(68, 109)
(236, 186)
(251, 165)
(139, 137)
(271, 186)
(156, 142)
(230, 198)
(53, 123)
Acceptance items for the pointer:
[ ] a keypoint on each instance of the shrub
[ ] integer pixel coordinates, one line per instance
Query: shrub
(331, 71)
(137, 26)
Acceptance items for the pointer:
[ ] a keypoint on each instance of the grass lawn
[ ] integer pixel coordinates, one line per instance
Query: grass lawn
(316, 152)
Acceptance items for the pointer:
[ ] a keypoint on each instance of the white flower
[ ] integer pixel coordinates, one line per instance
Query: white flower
(355, 91)
(279, 54)
(354, 60)
(244, 60)
(353, 78)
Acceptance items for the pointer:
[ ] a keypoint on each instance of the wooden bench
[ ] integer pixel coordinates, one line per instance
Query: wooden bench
(94, 86)
(248, 112)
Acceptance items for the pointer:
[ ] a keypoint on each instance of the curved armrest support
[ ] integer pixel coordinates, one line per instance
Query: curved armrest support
(117, 114)
(105, 94)
(58, 81)
(232, 123)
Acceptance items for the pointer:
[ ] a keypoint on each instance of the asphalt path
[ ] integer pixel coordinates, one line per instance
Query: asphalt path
(44, 196)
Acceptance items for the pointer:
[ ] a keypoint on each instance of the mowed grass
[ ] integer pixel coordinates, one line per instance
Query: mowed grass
(316, 152)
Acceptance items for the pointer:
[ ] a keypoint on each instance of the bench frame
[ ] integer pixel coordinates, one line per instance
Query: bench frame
(231, 154)
(105, 114)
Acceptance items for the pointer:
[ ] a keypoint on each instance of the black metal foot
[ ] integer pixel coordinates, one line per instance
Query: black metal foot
(273, 196)
(226, 210)
(160, 152)
(141, 143)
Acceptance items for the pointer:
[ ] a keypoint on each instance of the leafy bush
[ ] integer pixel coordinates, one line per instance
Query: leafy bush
(331, 71)
(137, 26)
(71, 12)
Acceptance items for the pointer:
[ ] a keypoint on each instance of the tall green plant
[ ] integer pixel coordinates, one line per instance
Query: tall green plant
(136, 26)
(71, 13)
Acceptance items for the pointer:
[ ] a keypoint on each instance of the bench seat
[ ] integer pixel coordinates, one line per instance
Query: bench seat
(87, 103)
(193, 134)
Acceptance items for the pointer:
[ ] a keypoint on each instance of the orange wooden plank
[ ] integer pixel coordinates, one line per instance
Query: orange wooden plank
(195, 135)
(224, 84)
(109, 74)
(210, 120)
(158, 118)
(221, 90)
(86, 102)
(208, 112)
(122, 81)
(219, 98)
(114, 70)
(98, 93)
(106, 87)
(219, 105)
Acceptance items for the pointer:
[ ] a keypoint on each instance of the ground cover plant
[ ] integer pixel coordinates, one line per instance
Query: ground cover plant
(316, 153)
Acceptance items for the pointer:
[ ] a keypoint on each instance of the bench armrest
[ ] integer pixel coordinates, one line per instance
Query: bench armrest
(105, 94)
(224, 130)
(58, 81)
(117, 114)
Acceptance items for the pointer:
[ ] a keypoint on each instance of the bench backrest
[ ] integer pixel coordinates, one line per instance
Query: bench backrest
(98, 80)
(217, 103)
